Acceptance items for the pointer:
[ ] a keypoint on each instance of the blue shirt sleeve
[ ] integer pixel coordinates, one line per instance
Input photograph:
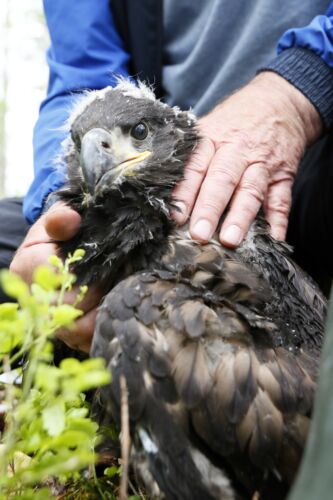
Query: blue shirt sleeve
(86, 52)
(305, 59)
(317, 37)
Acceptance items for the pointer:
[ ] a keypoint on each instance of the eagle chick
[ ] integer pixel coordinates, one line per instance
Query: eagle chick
(219, 347)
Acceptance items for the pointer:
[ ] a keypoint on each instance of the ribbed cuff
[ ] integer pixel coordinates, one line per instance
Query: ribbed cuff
(310, 74)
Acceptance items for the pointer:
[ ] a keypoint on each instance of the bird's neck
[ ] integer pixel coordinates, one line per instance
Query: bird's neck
(138, 232)
(122, 235)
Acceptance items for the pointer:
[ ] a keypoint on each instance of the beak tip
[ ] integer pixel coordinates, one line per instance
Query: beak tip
(94, 161)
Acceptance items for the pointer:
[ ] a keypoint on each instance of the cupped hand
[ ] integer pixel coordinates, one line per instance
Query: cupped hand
(59, 223)
(251, 146)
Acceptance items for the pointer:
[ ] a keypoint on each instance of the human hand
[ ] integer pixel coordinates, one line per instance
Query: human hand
(249, 154)
(59, 223)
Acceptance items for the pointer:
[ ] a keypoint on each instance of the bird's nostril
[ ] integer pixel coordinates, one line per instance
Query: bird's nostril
(105, 145)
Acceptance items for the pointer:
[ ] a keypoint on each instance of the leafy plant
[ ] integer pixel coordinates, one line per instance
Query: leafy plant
(47, 431)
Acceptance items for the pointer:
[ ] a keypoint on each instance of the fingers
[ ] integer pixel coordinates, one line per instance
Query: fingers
(216, 190)
(28, 258)
(245, 205)
(36, 234)
(81, 334)
(61, 222)
(277, 208)
(186, 191)
(91, 299)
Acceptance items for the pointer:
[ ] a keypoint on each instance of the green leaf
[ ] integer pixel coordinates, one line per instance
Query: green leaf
(74, 366)
(70, 365)
(81, 295)
(41, 295)
(66, 462)
(8, 310)
(45, 277)
(33, 494)
(65, 315)
(87, 381)
(55, 261)
(83, 425)
(77, 412)
(77, 255)
(49, 418)
(13, 285)
(32, 441)
(54, 418)
(11, 334)
(112, 471)
(47, 377)
(69, 439)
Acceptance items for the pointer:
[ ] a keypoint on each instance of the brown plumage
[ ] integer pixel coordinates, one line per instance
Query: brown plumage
(219, 348)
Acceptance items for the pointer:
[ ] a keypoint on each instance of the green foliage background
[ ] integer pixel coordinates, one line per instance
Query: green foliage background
(48, 431)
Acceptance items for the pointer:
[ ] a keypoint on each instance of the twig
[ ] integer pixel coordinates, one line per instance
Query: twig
(96, 481)
(125, 439)
(136, 491)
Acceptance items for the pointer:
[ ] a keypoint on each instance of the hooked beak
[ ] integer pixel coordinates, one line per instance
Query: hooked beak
(98, 162)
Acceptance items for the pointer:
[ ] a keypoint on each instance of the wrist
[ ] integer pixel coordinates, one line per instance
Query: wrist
(302, 113)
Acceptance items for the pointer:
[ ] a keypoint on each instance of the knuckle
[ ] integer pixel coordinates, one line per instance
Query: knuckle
(196, 165)
(278, 229)
(281, 224)
(242, 216)
(224, 177)
(254, 190)
(200, 158)
(211, 208)
(244, 139)
(280, 205)
(15, 266)
(185, 192)
(66, 336)
(196, 168)
(71, 345)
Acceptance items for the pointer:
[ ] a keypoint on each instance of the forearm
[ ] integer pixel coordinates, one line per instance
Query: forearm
(47, 139)
(305, 59)
(307, 121)
(86, 53)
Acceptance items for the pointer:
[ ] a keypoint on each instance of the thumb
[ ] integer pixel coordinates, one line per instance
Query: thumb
(62, 222)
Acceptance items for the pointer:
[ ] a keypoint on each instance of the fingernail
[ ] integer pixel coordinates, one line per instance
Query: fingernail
(180, 215)
(202, 230)
(233, 236)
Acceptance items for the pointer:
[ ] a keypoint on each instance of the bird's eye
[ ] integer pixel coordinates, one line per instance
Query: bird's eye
(139, 131)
